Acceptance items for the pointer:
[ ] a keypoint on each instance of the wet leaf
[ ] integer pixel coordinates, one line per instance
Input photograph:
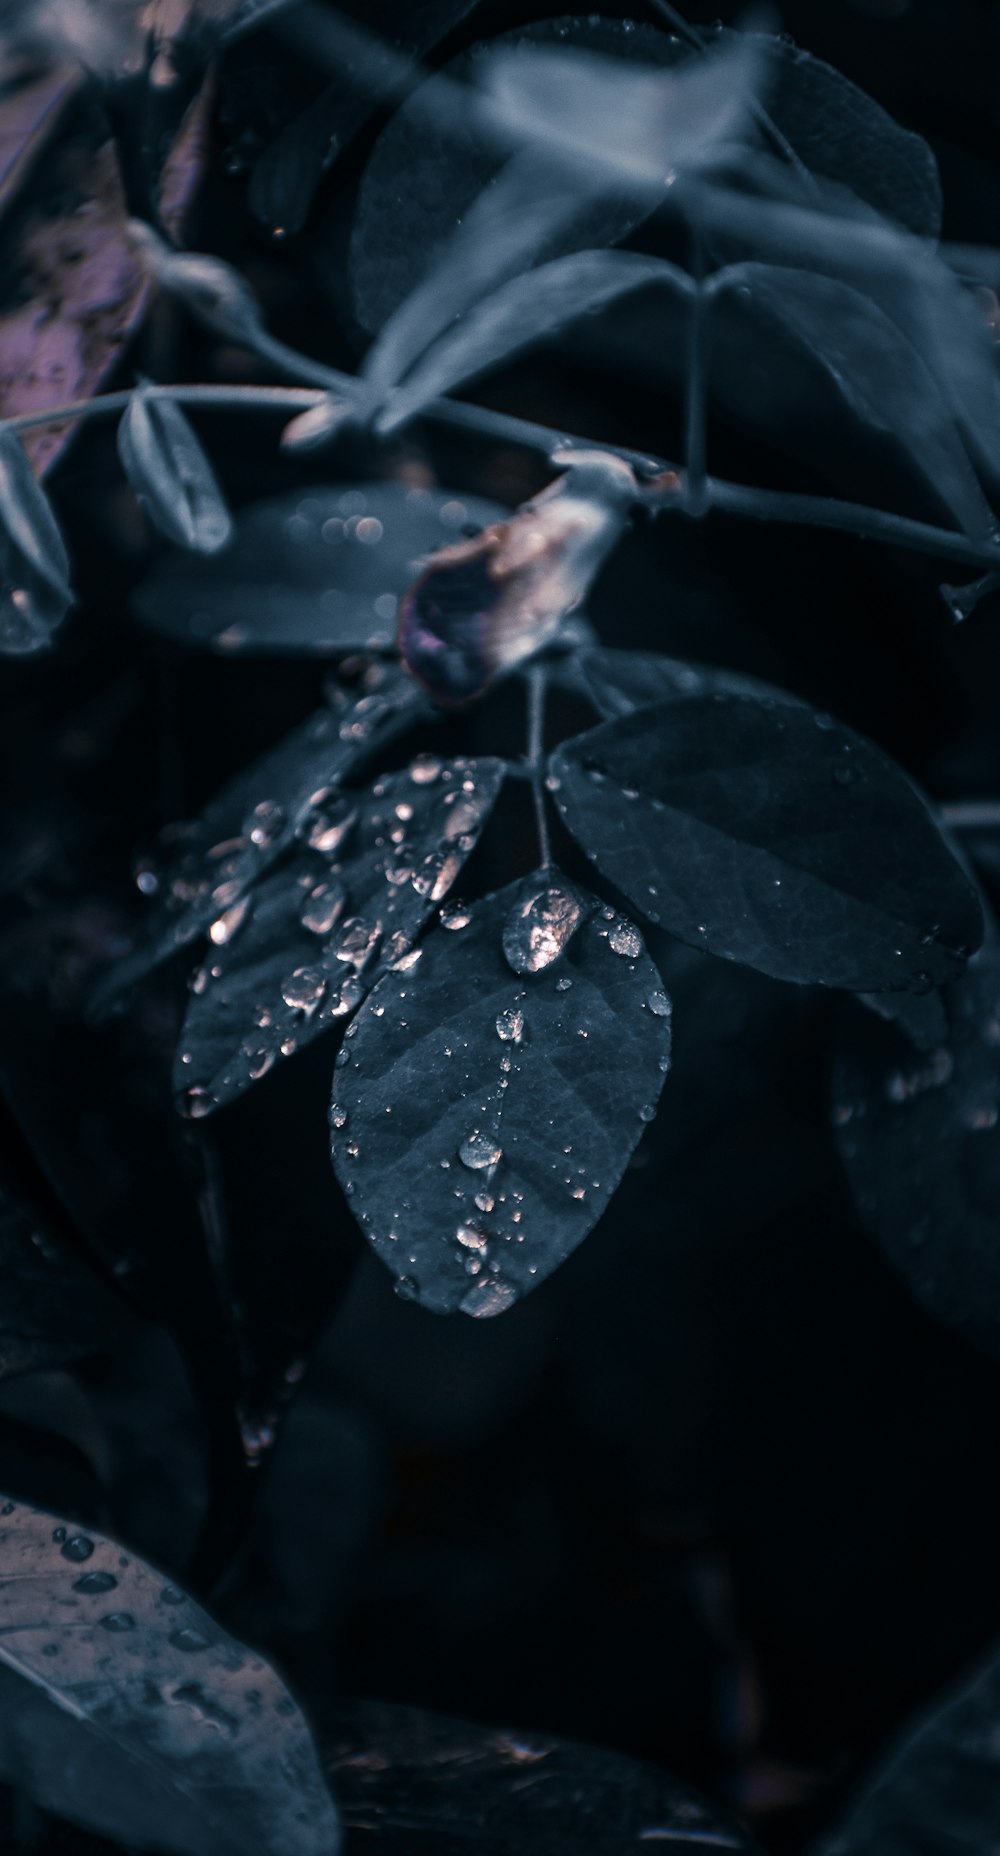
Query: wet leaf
(482, 1116)
(937, 1789)
(29, 112)
(768, 833)
(171, 475)
(884, 380)
(617, 682)
(413, 1782)
(35, 593)
(919, 1136)
(127, 1709)
(526, 310)
(214, 292)
(220, 856)
(287, 174)
(347, 905)
(309, 573)
(427, 169)
(56, 1307)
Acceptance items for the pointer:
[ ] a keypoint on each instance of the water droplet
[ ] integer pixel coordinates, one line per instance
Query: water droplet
(487, 1299)
(564, 984)
(93, 1582)
(510, 1025)
(407, 1288)
(479, 1150)
(171, 1596)
(198, 1102)
(484, 1201)
(454, 915)
(471, 1238)
(225, 925)
(358, 941)
(659, 1003)
(322, 908)
(187, 1638)
(647, 1112)
(263, 824)
(118, 1621)
(58, 1535)
(625, 939)
(78, 1547)
(425, 769)
(303, 990)
(338, 1115)
(328, 830)
(539, 926)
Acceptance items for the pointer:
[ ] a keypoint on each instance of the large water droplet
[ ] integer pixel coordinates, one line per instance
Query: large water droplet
(425, 769)
(225, 925)
(118, 1621)
(454, 915)
(479, 1150)
(658, 1003)
(78, 1547)
(487, 1299)
(323, 907)
(510, 1025)
(188, 1638)
(624, 938)
(263, 824)
(539, 926)
(93, 1582)
(303, 990)
(329, 829)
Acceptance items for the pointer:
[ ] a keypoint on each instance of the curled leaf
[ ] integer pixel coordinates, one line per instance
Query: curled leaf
(171, 475)
(35, 593)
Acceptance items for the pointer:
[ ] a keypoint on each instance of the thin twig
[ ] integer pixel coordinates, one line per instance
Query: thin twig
(537, 679)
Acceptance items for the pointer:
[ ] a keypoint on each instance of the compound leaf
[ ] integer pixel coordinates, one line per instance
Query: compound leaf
(171, 475)
(486, 1102)
(770, 834)
(127, 1709)
(329, 921)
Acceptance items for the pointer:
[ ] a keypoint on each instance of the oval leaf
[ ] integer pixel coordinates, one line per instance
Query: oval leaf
(938, 1792)
(770, 834)
(918, 1132)
(309, 573)
(171, 476)
(253, 819)
(128, 1710)
(326, 925)
(482, 1117)
(35, 593)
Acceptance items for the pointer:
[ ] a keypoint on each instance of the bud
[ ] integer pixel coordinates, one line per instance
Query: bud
(484, 605)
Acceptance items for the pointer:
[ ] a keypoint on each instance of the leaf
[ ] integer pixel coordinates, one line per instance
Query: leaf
(287, 174)
(883, 379)
(55, 1306)
(35, 593)
(412, 1781)
(330, 921)
(427, 169)
(252, 820)
(128, 1710)
(483, 1116)
(306, 573)
(170, 474)
(29, 112)
(524, 311)
(939, 1786)
(616, 682)
(919, 1137)
(770, 834)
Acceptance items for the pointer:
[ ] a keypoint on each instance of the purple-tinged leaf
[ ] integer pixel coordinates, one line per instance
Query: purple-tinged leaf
(345, 906)
(768, 833)
(482, 1116)
(28, 114)
(127, 1709)
(35, 593)
(171, 475)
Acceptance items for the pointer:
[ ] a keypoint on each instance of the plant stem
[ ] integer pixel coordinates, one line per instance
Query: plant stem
(536, 679)
(971, 814)
(696, 386)
(734, 498)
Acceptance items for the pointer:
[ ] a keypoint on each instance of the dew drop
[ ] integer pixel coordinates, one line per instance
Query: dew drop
(487, 1299)
(647, 1112)
(407, 1288)
(322, 908)
(510, 1025)
(259, 1063)
(263, 824)
(225, 925)
(338, 1115)
(625, 939)
(93, 1582)
(479, 1150)
(425, 769)
(658, 1003)
(454, 915)
(78, 1547)
(471, 1238)
(539, 927)
(187, 1638)
(118, 1621)
(303, 990)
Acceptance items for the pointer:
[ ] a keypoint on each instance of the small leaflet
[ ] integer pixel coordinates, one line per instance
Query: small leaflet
(171, 475)
(486, 1102)
(369, 870)
(127, 1709)
(35, 592)
(768, 833)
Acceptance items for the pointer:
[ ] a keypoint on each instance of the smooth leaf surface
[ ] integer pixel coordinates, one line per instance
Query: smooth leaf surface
(127, 1709)
(919, 1136)
(55, 1306)
(35, 593)
(255, 816)
(415, 1783)
(171, 475)
(426, 170)
(938, 1792)
(327, 923)
(526, 310)
(483, 1116)
(309, 573)
(768, 833)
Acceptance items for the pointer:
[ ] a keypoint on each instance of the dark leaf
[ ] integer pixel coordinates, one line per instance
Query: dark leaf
(287, 174)
(127, 1709)
(212, 290)
(919, 1137)
(768, 833)
(617, 682)
(937, 1793)
(35, 593)
(420, 1784)
(309, 573)
(486, 1102)
(426, 170)
(347, 905)
(171, 476)
(884, 380)
(28, 114)
(253, 819)
(526, 310)
(55, 1307)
